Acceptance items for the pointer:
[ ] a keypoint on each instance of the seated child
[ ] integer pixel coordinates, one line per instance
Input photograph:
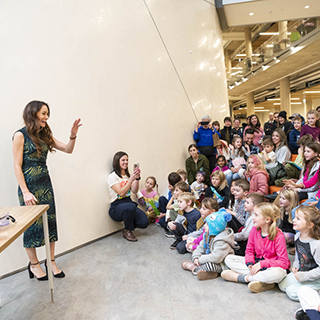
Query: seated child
(257, 175)
(239, 215)
(293, 169)
(306, 266)
(267, 155)
(232, 201)
(150, 198)
(266, 259)
(238, 154)
(217, 243)
(198, 186)
(183, 175)
(222, 166)
(208, 206)
(241, 237)
(219, 189)
(186, 221)
(286, 201)
(173, 207)
(294, 135)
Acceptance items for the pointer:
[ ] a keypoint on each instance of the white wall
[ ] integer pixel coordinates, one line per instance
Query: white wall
(104, 61)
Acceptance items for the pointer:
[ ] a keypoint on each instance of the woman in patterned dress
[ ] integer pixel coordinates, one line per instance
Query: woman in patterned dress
(30, 148)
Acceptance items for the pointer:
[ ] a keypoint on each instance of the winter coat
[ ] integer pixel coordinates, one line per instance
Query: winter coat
(258, 181)
(220, 246)
(192, 168)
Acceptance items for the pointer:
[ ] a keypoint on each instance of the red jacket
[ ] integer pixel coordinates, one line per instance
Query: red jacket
(273, 252)
(258, 181)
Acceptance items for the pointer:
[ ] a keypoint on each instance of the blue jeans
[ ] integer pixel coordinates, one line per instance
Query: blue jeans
(230, 176)
(306, 203)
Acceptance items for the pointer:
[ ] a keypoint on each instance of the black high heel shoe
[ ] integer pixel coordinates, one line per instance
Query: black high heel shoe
(31, 274)
(58, 275)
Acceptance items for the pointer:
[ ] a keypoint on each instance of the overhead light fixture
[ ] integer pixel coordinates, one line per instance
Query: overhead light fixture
(274, 99)
(312, 91)
(269, 45)
(295, 98)
(251, 14)
(241, 55)
(296, 102)
(277, 104)
(307, 7)
(265, 67)
(258, 107)
(268, 33)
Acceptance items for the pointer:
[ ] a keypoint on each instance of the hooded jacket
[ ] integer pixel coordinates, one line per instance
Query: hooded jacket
(220, 246)
(258, 181)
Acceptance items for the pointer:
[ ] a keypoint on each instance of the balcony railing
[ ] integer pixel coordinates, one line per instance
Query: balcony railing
(273, 48)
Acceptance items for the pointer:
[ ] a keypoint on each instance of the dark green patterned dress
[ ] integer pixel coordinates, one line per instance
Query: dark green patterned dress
(38, 181)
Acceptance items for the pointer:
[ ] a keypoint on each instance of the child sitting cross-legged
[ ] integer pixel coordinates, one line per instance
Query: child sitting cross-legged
(208, 206)
(198, 186)
(241, 237)
(219, 189)
(266, 259)
(173, 206)
(186, 221)
(306, 266)
(239, 215)
(207, 259)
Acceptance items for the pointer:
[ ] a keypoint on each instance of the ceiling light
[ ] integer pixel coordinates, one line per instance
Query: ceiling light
(312, 91)
(269, 45)
(267, 110)
(258, 107)
(268, 33)
(251, 14)
(307, 7)
(277, 104)
(274, 99)
(296, 103)
(265, 67)
(295, 98)
(241, 55)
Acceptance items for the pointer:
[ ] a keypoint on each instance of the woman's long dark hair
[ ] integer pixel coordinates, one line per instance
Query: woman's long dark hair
(31, 121)
(116, 163)
(258, 126)
(315, 147)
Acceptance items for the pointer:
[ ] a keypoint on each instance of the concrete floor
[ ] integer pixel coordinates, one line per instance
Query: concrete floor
(116, 279)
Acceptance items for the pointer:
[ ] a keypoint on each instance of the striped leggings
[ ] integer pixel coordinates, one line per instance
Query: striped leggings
(208, 267)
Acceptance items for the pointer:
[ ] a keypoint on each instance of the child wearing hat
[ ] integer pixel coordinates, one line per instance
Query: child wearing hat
(218, 242)
(285, 125)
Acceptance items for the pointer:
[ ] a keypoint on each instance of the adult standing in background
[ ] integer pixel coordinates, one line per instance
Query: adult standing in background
(255, 125)
(122, 208)
(203, 135)
(226, 131)
(270, 125)
(30, 149)
(197, 162)
(276, 119)
(236, 130)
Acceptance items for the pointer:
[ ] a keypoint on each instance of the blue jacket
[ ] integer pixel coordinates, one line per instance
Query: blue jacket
(294, 136)
(204, 136)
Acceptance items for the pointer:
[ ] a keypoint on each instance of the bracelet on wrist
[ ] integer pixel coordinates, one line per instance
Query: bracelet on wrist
(73, 138)
(138, 178)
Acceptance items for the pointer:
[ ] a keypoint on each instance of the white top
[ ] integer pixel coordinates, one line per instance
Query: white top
(198, 188)
(113, 179)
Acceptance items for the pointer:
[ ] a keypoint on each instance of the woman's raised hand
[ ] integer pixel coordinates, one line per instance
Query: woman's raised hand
(29, 199)
(75, 127)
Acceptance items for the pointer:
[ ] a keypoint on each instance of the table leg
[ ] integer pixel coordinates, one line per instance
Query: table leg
(48, 255)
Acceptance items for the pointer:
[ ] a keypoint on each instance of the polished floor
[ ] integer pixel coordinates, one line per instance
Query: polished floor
(116, 279)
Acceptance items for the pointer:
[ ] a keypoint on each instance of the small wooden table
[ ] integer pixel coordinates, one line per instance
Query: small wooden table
(25, 216)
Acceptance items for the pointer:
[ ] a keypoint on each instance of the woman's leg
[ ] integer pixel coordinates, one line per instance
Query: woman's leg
(125, 212)
(35, 267)
(54, 267)
(141, 220)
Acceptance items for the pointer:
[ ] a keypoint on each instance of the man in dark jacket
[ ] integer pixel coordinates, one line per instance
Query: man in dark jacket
(226, 131)
(270, 125)
(236, 130)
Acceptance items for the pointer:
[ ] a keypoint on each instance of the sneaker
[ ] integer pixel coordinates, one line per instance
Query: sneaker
(301, 315)
(174, 245)
(292, 251)
(157, 222)
(207, 275)
(169, 234)
(230, 275)
(257, 286)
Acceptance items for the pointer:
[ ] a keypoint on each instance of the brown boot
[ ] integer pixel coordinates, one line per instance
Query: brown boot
(127, 234)
(205, 275)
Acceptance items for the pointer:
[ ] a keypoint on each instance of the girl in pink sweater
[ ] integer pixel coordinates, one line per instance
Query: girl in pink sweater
(257, 175)
(266, 259)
